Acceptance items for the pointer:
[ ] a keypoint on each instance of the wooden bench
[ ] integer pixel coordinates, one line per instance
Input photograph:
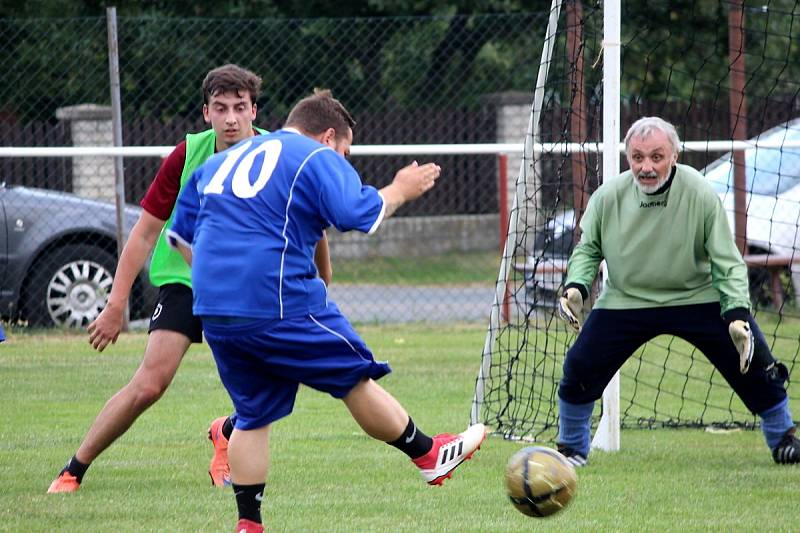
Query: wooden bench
(773, 263)
(551, 266)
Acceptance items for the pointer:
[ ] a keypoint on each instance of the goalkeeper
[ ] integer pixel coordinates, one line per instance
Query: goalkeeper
(673, 269)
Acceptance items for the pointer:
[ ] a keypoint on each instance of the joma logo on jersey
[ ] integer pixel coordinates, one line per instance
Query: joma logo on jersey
(658, 203)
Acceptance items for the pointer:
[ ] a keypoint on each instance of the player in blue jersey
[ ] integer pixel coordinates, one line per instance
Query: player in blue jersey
(247, 222)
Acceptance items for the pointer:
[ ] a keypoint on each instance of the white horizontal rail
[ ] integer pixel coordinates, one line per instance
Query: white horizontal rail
(74, 151)
(392, 149)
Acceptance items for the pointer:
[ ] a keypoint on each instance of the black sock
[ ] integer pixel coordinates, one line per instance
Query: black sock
(227, 428)
(76, 468)
(413, 442)
(248, 500)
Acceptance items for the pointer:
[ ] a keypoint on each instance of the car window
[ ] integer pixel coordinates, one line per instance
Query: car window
(556, 238)
(769, 171)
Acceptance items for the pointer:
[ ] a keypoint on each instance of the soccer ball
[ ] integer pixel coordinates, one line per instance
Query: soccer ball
(540, 481)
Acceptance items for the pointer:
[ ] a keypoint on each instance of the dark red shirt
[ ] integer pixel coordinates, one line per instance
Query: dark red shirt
(160, 198)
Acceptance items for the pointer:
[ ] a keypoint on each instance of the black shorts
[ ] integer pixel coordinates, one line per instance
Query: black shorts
(173, 312)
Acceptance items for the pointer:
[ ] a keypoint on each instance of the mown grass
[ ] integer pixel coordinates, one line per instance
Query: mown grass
(326, 475)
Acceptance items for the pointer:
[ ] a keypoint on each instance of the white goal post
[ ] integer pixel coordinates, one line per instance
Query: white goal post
(607, 435)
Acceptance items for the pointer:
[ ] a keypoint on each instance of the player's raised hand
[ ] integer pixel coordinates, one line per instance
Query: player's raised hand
(106, 327)
(570, 308)
(415, 180)
(408, 184)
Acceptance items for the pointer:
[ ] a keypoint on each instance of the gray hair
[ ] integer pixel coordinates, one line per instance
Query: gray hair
(646, 125)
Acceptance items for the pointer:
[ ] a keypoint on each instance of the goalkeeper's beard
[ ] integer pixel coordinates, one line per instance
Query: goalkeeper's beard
(650, 188)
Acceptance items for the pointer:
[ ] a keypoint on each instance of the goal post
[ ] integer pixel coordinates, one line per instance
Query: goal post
(519, 207)
(607, 436)
(683, 76)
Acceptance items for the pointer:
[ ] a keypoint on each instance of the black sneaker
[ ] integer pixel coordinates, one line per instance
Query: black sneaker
(576, 459)
(788, 451)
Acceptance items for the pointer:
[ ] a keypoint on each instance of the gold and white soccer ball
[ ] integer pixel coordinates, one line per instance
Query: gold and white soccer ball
(540, 481)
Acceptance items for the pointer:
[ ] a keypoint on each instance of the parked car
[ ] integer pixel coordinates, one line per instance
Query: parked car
(544, 268)
(772, 178)
(57, 258)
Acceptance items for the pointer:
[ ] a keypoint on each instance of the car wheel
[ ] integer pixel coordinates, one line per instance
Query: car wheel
(69, 287)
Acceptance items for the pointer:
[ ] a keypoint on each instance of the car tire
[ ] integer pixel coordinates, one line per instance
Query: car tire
(69, 286)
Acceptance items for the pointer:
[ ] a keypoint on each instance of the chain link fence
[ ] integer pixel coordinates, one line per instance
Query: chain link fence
(407, 80)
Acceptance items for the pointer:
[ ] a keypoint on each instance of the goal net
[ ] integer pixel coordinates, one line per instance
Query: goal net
(720, 72)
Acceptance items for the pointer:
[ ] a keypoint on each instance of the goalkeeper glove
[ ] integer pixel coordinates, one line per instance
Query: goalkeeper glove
(570, 308)
(742, 337)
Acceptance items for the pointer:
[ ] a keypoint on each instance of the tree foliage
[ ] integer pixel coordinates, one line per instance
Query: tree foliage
(377, 53)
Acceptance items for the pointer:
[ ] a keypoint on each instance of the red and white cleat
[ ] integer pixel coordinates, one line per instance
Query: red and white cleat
(248, 526)
(448, 452)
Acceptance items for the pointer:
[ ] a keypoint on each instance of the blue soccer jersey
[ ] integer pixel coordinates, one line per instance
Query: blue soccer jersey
(253, 215)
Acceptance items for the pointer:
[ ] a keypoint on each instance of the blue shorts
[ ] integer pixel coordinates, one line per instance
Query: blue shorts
(262, 362)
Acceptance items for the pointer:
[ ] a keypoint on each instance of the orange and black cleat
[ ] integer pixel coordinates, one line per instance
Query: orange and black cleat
(218, 469)
(65, 482)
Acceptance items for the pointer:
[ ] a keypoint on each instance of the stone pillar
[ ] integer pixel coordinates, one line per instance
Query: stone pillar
(513, 111)
(90, 124)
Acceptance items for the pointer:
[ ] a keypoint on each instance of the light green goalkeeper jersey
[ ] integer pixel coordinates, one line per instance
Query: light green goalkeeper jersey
(666, 249)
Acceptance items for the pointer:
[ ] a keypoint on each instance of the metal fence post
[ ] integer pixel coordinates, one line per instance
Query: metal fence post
(116, 121)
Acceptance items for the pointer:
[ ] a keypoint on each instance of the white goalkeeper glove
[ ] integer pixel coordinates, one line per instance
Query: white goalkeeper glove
(742, 337)
(570, 308)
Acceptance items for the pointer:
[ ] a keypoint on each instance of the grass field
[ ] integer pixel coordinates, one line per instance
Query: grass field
(326, 475)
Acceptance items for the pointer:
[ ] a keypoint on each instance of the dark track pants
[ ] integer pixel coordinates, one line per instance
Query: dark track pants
(609, 337)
